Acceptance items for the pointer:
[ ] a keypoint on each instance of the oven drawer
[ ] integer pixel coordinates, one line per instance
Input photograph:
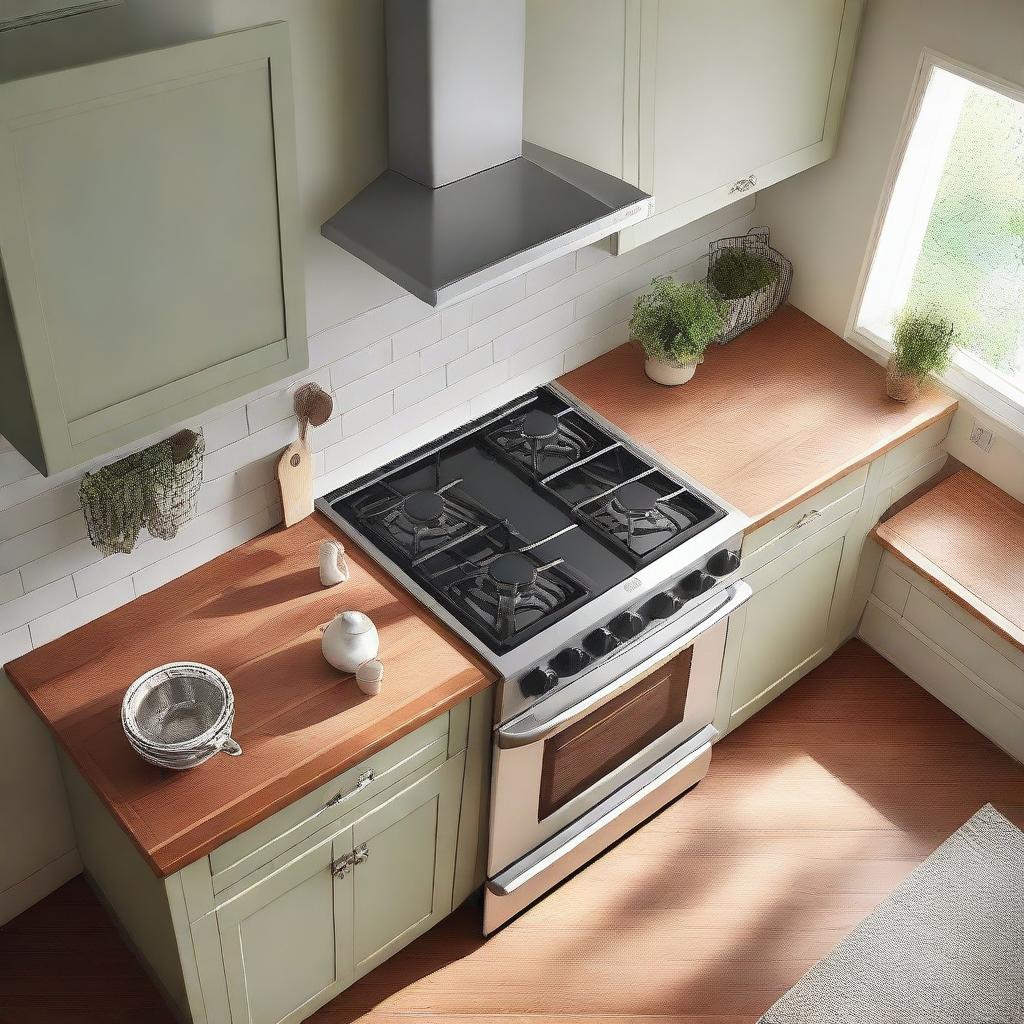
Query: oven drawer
(530, 877)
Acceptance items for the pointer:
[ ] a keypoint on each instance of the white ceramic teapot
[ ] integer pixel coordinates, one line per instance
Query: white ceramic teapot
(350, 640)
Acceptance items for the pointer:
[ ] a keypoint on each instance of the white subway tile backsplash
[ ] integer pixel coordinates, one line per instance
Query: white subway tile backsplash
(364, 416)
(470, 363)
(534, 330)
(419, 388)
(359, 364)
(22, 610)
(11, 586)
(550, 273)
(444, 351)
(14, 644)
(499, 297)
(78, 613)
(226, 429)
(420, 335)
(402, 374)
(380, 382)
(32, 545)
(63, 562)
(456, 318)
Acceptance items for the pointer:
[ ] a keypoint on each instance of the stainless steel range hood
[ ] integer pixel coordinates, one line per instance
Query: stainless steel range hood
(465, 202)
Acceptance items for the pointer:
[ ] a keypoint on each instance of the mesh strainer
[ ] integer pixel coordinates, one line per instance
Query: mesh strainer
(177, 715)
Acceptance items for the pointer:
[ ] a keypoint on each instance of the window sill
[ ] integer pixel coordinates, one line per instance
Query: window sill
(966, 378)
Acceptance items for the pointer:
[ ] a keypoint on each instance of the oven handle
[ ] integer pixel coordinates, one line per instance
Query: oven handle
(530, 730)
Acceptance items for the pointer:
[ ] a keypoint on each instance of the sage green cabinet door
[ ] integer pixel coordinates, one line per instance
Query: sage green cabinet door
(150, 239)
(287, 941)
(784, 627)
(405, 865)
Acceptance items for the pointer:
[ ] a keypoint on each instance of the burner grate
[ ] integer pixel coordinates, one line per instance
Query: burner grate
(504, 586)
(543, 442)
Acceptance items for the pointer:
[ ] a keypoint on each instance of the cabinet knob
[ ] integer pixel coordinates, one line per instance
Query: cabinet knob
(744, 184)
(342, 866)
(361, 854)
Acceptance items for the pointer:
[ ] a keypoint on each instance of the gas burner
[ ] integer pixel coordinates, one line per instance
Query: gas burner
(423, 520)
(635, 515)
(542, 442)
(507, 589)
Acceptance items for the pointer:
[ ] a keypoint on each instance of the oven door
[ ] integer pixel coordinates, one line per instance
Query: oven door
(581, 748)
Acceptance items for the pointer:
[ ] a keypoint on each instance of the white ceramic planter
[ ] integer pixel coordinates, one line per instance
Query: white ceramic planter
(663, 372)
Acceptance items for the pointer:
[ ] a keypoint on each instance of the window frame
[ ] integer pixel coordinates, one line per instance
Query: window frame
(967, 376)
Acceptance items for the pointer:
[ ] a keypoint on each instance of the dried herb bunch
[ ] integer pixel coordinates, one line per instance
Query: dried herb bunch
(676, 322)
(922, 343)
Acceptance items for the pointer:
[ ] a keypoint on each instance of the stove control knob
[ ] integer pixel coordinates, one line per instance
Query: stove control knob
(569, 661)
(695, 584)
(537, 682)
(661, 606)
(627, 625)
(602, 641)
(721, 563)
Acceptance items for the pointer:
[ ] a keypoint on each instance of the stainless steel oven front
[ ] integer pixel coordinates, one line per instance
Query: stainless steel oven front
(580, 768)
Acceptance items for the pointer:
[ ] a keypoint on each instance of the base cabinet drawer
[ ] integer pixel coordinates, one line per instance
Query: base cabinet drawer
(295, 939)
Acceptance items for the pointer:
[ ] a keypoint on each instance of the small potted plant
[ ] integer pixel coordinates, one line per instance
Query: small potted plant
(743, 278)
(674, 324)
(922, 342)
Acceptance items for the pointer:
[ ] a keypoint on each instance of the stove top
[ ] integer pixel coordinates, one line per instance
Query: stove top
(518, 520)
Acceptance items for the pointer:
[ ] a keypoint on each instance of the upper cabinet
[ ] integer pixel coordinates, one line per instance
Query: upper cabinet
(150, 243)
(697, 103)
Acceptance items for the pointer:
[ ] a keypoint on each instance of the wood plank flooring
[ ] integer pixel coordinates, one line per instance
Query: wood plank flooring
(812, 812)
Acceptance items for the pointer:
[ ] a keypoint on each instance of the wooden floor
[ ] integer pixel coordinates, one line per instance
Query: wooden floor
(812, 812)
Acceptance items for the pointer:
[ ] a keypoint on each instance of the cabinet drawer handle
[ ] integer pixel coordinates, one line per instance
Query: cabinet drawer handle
(365, 778)
(361, 854)
(807, 517)
(744, 184)
(342, 866)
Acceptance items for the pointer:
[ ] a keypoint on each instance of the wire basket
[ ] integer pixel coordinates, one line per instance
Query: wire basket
(157, 488)
(747, 310)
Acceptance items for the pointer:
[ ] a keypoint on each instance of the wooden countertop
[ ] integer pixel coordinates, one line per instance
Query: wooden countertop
(253, 614)
(966, 536)
(769, 419)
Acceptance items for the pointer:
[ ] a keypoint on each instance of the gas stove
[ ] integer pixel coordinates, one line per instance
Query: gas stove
(544, 537)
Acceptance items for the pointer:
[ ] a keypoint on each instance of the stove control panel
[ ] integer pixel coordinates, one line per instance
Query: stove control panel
(602, 641)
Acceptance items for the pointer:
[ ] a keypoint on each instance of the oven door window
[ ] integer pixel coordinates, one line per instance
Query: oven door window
(589, 749)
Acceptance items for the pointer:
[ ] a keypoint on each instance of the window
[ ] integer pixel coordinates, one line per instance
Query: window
(952, 236)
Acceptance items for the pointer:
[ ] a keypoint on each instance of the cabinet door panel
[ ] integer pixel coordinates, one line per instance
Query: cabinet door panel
(287, 941)
(404, 885)
(784, 626)
(149, 231)
(727, 103)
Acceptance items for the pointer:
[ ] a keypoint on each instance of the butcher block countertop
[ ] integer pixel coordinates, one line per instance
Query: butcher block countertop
(966, 536)
(769, 419)
(253, 614)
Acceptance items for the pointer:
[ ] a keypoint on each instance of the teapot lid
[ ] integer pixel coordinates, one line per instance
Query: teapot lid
(355, 622)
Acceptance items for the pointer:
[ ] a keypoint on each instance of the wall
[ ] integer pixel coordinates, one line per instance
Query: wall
(822, 219)
(401, 373)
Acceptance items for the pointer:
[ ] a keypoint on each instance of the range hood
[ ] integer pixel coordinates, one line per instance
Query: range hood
(465, 203)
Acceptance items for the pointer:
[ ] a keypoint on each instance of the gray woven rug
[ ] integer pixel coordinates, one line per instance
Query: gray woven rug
(947, 947)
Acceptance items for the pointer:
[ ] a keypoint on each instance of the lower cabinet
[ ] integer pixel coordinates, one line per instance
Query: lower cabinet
(300, 935)
(785, 627)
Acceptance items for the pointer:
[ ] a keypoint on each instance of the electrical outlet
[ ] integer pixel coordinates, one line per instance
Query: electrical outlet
(981, 436)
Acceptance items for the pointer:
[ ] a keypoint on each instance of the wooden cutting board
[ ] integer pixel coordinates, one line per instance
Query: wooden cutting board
(295, 475)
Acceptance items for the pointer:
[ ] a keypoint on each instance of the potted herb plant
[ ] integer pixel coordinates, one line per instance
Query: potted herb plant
(674, 324)
(743, 278)
(922, 342)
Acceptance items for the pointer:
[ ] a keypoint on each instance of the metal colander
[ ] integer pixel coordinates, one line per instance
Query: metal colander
(179, 714)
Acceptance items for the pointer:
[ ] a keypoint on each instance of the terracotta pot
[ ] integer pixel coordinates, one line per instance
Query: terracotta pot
(661, 371)
(900, 386)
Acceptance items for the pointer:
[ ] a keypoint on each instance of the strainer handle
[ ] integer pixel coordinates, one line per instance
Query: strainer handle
(226, 744)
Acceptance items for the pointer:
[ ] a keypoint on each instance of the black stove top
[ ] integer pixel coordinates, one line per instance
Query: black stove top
(516, 520)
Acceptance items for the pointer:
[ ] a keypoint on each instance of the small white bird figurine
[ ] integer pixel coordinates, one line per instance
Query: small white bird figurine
(333, 564)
